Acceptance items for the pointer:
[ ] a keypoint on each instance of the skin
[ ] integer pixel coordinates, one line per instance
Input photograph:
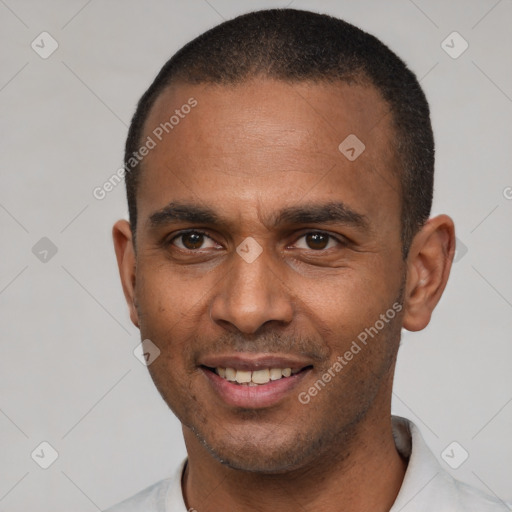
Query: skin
(248, 151)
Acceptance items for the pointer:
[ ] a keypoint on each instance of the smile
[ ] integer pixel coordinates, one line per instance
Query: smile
(254, 378)
(254, 384)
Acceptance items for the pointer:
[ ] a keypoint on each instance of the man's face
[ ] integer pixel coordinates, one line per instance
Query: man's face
(300, 253)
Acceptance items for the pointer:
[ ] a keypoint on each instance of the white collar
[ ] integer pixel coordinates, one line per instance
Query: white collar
(429, 487)
(426, 487)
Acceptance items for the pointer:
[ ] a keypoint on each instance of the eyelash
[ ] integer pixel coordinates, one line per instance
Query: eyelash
(198, 231)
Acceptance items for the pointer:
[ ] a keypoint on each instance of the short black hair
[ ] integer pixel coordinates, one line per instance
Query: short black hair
(293, 46)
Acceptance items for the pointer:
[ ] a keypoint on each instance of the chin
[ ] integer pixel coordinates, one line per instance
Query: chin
(255, 454)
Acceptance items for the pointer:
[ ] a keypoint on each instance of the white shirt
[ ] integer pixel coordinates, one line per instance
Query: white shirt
(426, 485)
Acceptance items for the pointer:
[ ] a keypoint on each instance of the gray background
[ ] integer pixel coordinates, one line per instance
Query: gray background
(68, 373)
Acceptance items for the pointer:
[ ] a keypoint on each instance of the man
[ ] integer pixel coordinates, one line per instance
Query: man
(279, 175)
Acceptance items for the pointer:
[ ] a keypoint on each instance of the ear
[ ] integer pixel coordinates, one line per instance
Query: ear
(126, 261)
(428, 268)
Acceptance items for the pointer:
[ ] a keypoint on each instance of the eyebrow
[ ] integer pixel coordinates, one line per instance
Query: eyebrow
(182, 212)
(313, 213)
(332, 212)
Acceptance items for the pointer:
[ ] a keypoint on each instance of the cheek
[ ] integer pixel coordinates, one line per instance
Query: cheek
(345, 302)
(166, 308)
(165, 305)
(166, 295)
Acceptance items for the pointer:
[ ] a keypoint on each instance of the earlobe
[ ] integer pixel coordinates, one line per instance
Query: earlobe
(428, 268)
(126, 262)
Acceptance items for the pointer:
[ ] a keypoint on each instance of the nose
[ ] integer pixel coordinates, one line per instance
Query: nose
(252, 295)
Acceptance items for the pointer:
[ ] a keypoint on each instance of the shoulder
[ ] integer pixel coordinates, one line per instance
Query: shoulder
(151, 499)
(428, 486)
(469, 498)
(164, 496)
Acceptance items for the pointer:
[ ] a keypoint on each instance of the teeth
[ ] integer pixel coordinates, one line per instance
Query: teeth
(243, 377)
(256, 377)
(275, 373)
(261, 376)
(230, 374)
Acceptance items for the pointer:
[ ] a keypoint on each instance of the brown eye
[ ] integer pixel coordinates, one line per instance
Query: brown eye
(193, 240)
(317, 241)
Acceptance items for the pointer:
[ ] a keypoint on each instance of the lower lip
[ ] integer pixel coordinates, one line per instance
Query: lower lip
(254, 397)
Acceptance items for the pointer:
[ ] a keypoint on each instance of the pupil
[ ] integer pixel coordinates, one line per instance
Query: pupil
(193, 240)
(316, 240)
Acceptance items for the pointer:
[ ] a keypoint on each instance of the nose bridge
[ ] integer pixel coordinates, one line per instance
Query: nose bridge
(251, 294)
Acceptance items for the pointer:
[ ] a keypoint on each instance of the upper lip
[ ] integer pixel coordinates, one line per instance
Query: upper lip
(252, 362)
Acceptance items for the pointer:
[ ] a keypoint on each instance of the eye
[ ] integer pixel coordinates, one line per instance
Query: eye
(317, 241)
(192, 240)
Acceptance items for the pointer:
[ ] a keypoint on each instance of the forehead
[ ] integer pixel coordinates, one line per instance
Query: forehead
(268, 141)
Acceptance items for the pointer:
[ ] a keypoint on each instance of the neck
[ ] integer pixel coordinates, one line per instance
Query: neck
(364, 476)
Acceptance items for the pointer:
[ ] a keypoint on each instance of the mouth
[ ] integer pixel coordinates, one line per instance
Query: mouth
(254, 382)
